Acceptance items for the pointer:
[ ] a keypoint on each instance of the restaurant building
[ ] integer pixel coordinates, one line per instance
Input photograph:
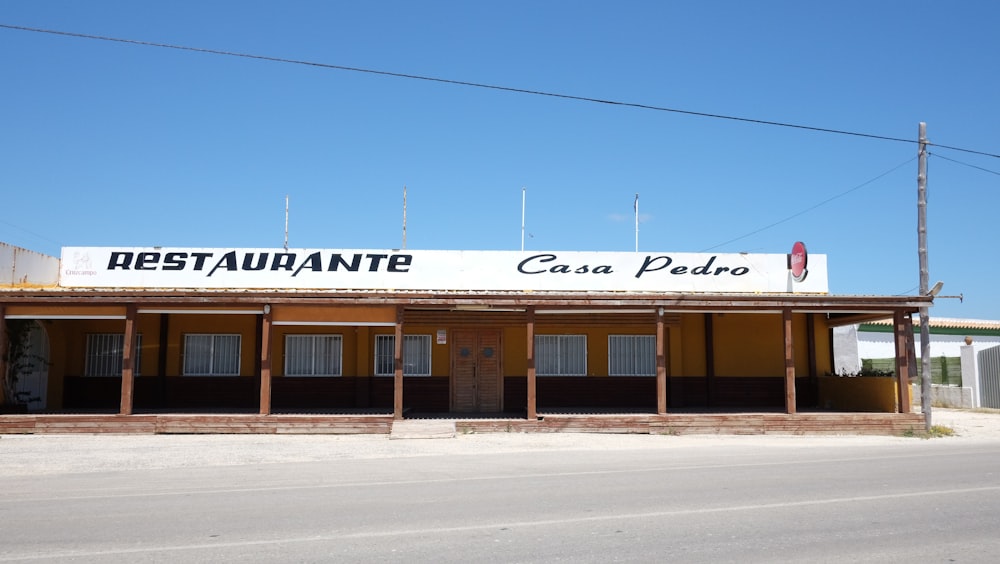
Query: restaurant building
(333, 340)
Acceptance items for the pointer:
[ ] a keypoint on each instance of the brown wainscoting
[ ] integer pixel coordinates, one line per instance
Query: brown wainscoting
(92, 392)
(429, 394)
(806, 393)
(687, 391)
(290, 393)
(599, 392)
(740, 392)
(604, 392)
(640, 392)
(175, 392)
(515, 394)
(748, 391)
(207, 392)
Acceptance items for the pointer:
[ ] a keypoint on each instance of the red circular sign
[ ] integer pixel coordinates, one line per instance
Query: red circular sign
(798, 261)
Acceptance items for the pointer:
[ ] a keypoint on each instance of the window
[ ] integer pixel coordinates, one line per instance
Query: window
(211, 355)
(561, 355)
(106, 354)
(416, 355)
(313, 355)
(632, 355)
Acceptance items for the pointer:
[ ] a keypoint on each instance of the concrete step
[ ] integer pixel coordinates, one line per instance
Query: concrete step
(423, 429)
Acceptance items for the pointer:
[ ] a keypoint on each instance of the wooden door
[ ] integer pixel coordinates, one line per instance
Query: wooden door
(476, 376)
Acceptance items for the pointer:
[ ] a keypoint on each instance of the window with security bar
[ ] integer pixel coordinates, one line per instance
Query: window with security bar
(313, 355)
(416, 355)
(632, 355)
(561, 355)
(211, 355)
(105, 354)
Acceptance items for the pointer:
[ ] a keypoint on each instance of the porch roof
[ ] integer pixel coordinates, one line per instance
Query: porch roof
(844, 308)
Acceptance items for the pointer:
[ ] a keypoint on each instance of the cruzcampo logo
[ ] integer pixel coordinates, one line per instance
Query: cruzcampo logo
(797, 261)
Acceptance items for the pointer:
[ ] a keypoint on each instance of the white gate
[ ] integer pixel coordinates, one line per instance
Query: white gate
(989, 377)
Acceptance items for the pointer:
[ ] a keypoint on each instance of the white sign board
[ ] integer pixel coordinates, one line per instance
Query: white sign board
(326, 269)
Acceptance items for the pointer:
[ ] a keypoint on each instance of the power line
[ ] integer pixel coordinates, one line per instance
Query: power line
(809, 209)
(487, 86)
(965, 164)
(29, 232)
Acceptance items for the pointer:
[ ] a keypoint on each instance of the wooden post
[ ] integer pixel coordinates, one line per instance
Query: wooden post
(786, 316)
(161, 360)
(709, 359)
(811, 339)
(265, 361)
(128, 360)
(3, 352)
(661, 365)
(532, 397)
(397, 383)
(902, 329)
(812, 378)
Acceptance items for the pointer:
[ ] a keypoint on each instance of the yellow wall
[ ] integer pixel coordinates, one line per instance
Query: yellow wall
(348, 335)
(748, 345)
(343, 314)
(871, 394)
(180, 325)
(745, 344)
(753, 344)
(440, 360)
(691, 348)
(74, 340)
(515, 351)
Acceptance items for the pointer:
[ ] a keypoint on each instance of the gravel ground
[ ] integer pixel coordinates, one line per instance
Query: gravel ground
(25, 455)
(978, 424)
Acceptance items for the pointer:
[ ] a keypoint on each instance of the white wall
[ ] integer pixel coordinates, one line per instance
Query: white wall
(882, 345)
(21, 267)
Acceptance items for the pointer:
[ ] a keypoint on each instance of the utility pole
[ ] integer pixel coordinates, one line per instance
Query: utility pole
(925, 322)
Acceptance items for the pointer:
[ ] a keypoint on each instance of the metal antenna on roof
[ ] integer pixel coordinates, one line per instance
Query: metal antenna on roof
(635, 206)
(523, 196)
(404, 216)
(286, 222)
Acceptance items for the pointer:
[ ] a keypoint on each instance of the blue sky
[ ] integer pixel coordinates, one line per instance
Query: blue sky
(114, 144)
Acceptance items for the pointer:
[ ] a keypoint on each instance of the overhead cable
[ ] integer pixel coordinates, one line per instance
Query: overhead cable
(488, 86)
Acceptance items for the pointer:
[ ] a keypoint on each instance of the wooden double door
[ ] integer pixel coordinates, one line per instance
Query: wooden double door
(476, 371)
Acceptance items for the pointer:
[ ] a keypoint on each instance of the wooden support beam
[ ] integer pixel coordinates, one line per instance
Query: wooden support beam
(128, 361)
(786, 316)
(161, 360)
(811, 342)
(709, 359)
(661, 365)
(902, 326)
(265, 361)
(532, 395)
(3, 352)
(397, 382)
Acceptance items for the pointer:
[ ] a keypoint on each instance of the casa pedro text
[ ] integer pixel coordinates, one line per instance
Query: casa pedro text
(296, 263)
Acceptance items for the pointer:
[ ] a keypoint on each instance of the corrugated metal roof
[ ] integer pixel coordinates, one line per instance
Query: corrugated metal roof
(948, 323)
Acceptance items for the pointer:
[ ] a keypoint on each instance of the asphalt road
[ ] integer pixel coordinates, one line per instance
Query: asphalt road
(504, 498)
